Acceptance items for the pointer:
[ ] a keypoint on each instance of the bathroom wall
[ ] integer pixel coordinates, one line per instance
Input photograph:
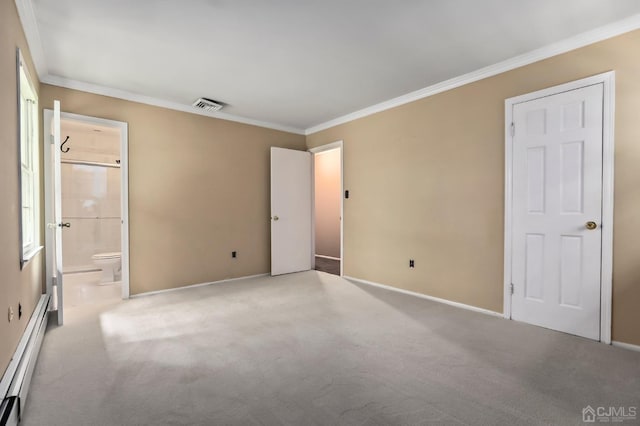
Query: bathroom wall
(90, 194)
(327, 202)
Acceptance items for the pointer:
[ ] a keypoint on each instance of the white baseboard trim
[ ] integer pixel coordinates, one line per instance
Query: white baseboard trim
(322, 256)
(16, 381)
(167, 290)
(628, 346)
(424, 296)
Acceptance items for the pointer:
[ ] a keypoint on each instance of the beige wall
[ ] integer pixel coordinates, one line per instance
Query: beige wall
(198, 190)
(327, 202)
(16, 286)
(426, 181)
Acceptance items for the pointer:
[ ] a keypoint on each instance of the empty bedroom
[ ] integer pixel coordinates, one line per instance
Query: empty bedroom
(223, 212)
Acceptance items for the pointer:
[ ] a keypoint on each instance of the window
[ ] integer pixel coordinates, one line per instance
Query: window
(29, 163)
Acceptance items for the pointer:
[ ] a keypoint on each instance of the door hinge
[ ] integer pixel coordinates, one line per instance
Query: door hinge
(511, 287)
(513, 129)
(52, 139)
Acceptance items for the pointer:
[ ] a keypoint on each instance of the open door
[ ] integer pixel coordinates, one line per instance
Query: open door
(53, 209)
(291, 177)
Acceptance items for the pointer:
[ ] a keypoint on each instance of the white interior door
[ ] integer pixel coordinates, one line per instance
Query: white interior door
(557, 211)
(57, 201)
(53, 208)
(290, 211)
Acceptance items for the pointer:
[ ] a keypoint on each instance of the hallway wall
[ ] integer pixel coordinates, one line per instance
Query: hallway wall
(327, 203)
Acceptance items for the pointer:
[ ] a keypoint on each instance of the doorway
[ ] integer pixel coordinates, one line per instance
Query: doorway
(558, 226)
(89, 265)
(328, 208)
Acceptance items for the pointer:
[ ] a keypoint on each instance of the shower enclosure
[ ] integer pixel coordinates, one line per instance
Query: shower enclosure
(90, 172)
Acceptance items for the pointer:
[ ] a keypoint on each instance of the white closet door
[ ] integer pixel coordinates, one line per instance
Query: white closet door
(557, 210)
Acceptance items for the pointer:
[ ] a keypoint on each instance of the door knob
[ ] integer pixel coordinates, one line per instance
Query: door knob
(591, 225)
(275, 218)
(65, 225)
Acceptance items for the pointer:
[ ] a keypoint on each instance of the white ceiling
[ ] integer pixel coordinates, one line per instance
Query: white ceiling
(297, 63)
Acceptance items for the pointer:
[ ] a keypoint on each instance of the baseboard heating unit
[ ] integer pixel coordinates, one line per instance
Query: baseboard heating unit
(14, 385)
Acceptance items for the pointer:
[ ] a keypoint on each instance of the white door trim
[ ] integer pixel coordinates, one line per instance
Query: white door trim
(322, 148)
(606, 279)
(124, 184)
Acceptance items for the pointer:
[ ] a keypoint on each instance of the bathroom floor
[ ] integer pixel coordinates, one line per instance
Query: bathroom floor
(83, 288)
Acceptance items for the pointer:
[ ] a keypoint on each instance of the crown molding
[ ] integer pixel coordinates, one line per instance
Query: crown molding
(148, 100)
(593, 36)
(32, 34)
(30, 26)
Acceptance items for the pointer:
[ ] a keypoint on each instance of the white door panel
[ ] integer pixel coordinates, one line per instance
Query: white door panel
(57, 208)
(557, 189)
(290, 211)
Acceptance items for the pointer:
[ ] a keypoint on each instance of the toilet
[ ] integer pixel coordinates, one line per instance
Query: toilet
(110, 265)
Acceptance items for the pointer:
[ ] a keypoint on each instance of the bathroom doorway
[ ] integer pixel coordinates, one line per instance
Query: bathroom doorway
(328, 207)
(93, 201)
(91, 185)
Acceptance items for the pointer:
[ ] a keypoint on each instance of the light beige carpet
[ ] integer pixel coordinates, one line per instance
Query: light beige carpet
(315, 349)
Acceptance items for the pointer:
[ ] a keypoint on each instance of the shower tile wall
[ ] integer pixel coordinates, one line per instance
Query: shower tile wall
(90, 196)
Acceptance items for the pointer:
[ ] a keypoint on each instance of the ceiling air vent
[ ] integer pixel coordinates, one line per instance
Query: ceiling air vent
(208, 104)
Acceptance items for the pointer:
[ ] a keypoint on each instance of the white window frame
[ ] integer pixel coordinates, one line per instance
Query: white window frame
(29, 163)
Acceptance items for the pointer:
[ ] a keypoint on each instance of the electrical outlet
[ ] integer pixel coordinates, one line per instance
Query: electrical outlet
(412, 263)
(10, 314)
(234, 254)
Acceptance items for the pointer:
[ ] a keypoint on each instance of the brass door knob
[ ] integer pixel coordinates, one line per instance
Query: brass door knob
(591, 225)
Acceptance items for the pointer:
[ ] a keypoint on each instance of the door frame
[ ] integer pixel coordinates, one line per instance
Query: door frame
(124, 188)
(607, 79)
(328, 147)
